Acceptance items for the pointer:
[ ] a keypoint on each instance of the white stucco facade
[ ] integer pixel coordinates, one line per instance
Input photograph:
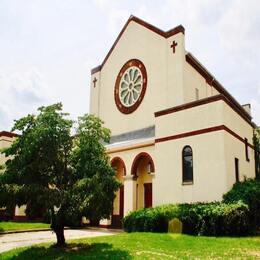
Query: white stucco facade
(6, 139)
(183, 105)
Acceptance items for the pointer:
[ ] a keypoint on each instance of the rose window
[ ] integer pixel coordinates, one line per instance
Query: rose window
(130, 86)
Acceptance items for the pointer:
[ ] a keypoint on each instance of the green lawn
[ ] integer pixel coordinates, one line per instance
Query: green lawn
(145, 246)
(10, 225)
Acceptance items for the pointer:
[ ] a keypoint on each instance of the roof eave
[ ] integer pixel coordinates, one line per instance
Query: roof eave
(165, 34)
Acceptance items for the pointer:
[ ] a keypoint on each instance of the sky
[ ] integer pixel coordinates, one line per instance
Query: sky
(48, 47)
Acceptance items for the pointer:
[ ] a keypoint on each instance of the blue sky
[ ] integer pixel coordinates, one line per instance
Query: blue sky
(47, 47)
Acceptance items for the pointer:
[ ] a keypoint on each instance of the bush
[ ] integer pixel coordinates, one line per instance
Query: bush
(248, 192)
(219, 219)
(146, 220)
(213, 219)
(237, 215)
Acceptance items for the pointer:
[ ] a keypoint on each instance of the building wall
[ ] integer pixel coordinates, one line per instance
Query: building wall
(20, 211)
(129, 183)
(164, 71)
(214, 130)
(213, 152)
(192, 81)
(187, 120)
(209, 182)
(119, 176)
(5, 142)
(143, 177)
(235, 148)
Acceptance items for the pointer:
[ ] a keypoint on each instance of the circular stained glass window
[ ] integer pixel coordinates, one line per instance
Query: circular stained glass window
(130, 86)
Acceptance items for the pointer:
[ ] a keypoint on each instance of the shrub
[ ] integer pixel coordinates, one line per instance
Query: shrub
(248, 192)
(198, 219)
(146, 220)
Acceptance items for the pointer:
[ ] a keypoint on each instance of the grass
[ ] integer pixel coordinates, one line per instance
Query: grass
(145, 246)
(11, 225)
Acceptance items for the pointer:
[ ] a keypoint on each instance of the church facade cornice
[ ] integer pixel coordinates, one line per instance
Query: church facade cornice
(8, 134)
(203, 131)
(210, 79)
(230, 102)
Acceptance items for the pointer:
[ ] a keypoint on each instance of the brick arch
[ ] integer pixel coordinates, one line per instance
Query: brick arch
(137, 159)
(118, 159)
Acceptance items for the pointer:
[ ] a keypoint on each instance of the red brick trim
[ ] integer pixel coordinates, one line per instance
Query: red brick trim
(128, 64)
(8, 134)
(202, 131)
(20, 218)
(243, 114)
(240, 110)
(9, 141)
(118, 159)
(96, 69)
(136, 159)
(187, 134)
(188, 105)
(167, 34)
(123, 149)
(238, 137)
(213, 82)
(104, 226)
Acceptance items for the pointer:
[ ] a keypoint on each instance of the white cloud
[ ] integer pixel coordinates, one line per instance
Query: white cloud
(255, 106)
(239, 26)
(116, 19)
(63, 42)
(102, 3)
(21, 92)
(4, 118)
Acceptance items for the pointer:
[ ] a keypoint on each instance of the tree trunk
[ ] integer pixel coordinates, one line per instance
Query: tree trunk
(60, 236)
(57, 225)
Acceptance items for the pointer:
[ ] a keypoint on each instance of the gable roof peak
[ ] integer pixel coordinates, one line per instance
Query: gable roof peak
(165, 34)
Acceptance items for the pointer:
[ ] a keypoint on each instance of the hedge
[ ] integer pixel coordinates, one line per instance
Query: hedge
(209, 219)
(237, 215)
(248, 192)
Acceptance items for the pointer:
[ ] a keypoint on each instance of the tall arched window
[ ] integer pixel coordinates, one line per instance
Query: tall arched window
(187, 165)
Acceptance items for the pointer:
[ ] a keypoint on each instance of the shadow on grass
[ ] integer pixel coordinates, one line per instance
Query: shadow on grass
(73, 251)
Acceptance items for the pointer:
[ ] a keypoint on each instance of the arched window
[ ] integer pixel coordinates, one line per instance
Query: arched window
(187, 165)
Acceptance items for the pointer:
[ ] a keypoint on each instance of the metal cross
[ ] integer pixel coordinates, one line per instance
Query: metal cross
(94, 81)
(173, 46)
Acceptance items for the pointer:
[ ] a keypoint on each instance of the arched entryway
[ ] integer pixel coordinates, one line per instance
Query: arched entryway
(143, 170)
(118, 212)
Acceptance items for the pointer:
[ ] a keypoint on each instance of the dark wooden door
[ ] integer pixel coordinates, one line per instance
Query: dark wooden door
(148, 195)
(117, 219)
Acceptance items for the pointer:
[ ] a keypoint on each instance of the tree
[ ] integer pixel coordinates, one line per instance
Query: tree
(256, 140)
(70, 176)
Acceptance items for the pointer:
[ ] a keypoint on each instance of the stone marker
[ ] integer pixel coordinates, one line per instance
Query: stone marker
(175, 226)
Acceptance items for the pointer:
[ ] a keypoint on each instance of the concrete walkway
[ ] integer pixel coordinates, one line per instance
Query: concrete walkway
(11, 241)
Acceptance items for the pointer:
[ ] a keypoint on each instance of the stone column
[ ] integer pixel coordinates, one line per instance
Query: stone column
(152, 174)
(129, 194)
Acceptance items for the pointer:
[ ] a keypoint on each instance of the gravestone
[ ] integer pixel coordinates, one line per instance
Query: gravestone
(175, 226)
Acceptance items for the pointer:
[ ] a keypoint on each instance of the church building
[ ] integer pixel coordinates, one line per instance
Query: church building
(177, 134)
(6, 140)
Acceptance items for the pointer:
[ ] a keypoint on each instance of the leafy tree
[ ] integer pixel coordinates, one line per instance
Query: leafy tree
(256, 140)
(70, 176)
